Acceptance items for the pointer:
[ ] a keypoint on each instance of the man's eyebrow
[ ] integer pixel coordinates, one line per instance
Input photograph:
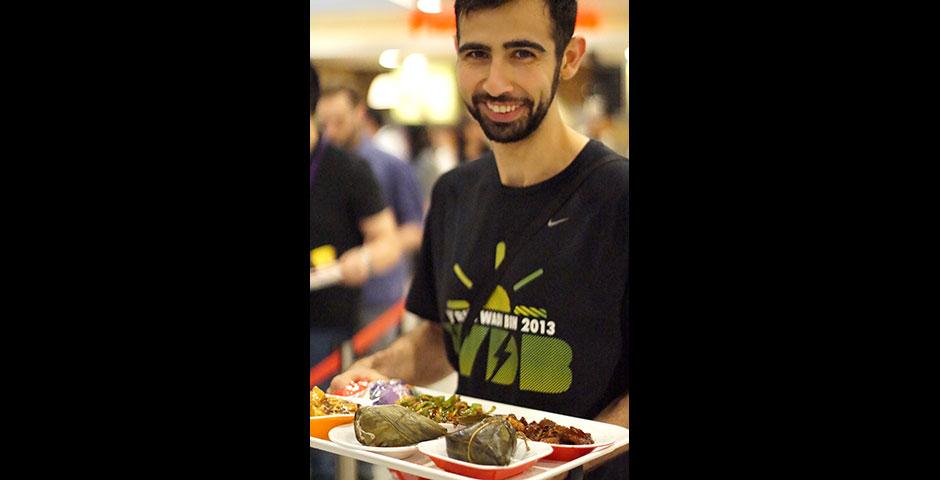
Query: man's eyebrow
(523, 44)
(473, 46)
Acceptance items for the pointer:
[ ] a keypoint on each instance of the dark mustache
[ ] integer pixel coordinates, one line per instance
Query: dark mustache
(482, 97)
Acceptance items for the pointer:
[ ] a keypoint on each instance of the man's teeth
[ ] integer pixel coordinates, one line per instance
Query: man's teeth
(501, 108)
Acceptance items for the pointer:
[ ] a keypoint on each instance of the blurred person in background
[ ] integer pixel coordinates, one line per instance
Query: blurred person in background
(342, 112)
(437, 158)
(471, 139)
(564, 279)
(387, 137)
(601, 123)
(351, 226)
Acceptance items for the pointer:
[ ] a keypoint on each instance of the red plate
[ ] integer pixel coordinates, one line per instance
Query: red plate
(405, 476)
(522, 460)
(564, 453)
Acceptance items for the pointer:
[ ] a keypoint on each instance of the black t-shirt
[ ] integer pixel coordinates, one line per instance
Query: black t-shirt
(553, 336)
(344, 192)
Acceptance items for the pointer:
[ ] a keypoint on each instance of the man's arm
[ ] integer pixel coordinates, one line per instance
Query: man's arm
(409, 235)
(617, 413)
(418, 358)
(379, 252)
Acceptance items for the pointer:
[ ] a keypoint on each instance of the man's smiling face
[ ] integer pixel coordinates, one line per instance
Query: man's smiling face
(507, 71)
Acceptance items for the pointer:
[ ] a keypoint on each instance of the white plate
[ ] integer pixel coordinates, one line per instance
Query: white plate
(438, 448)
(345, 435)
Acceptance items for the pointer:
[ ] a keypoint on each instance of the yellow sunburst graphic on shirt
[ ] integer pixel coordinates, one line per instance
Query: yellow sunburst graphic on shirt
(499, 320)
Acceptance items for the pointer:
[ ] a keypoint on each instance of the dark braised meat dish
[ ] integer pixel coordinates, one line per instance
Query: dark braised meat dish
(548, 431)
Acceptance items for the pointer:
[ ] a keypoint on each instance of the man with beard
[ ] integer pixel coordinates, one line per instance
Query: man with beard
(522, 274)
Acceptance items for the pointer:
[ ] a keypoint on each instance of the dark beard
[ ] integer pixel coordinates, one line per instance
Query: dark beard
(516, 130)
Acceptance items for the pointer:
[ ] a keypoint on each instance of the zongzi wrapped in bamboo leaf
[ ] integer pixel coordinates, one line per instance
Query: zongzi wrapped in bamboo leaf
(489, 442)
(393, 426)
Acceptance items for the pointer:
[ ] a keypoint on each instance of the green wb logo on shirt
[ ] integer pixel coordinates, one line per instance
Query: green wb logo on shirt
(543, 362)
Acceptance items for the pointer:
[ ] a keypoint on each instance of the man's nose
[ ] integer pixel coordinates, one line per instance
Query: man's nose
(498, 80)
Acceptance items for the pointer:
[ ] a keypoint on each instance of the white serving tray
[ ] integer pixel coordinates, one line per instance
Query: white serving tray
(422, 466)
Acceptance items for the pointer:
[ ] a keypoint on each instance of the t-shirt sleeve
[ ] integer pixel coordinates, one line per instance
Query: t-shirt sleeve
(366, 199)
(422, 297)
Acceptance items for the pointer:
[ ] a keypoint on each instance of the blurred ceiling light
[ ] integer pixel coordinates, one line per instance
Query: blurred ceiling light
(414, 68)
(389, 58)
(384, 92)
(429, 6)
(428, 94)
(440, 102)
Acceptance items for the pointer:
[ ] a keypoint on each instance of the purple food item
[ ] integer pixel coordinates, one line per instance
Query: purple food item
(387, 392)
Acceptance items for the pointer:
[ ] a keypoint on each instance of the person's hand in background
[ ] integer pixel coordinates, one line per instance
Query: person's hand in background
(354, 374)
(356, 266)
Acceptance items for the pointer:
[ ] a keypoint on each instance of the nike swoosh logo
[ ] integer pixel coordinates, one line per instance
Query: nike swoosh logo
(552, 223)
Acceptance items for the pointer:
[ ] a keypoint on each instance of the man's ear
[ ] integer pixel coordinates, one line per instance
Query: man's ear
(456, 43)
(571, 59)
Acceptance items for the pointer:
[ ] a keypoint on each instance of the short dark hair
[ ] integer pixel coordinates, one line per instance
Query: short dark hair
(562, 12)
(314, 89)
(351, 94)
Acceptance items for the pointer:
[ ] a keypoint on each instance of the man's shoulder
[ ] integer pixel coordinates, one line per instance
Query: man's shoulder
(344, 161)
(608, 182)
(597, 151)
(473, 170)
(615, 173)
(466, 175)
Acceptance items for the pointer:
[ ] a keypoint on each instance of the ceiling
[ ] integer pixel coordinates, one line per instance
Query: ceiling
(348, 6)
(357, 31)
